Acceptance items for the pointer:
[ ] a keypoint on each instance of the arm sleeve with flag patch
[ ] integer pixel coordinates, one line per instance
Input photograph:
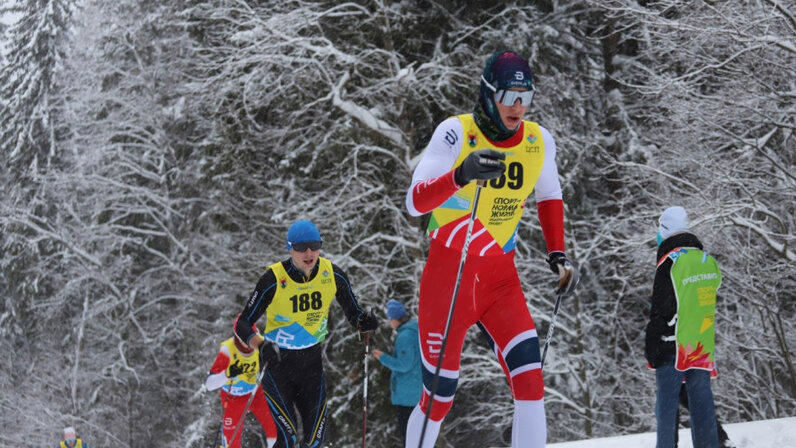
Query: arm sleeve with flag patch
(432, 181)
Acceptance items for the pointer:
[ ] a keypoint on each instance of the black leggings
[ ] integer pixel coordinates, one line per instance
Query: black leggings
(296, 382)
(402, 414)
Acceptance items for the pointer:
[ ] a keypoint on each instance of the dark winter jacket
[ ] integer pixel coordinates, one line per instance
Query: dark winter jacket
(664, 303)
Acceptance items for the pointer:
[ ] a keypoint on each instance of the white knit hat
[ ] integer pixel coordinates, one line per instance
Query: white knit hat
(672, 220)
(69, 433)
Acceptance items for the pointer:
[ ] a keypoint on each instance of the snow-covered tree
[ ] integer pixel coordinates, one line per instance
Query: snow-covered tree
(32, 131)
(29, 119)
(718, 118)
(153, 176)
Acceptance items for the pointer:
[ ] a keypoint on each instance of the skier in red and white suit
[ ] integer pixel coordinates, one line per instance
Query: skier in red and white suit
(515, 157)
(235, 372)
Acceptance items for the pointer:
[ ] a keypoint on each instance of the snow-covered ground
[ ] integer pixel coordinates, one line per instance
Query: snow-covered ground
(778, 433)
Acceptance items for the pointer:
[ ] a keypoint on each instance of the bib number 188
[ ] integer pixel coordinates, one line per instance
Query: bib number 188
(303, 302)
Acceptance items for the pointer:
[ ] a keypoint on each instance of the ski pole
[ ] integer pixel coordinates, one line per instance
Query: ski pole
(552, 325)
(435, 382)
(365, 398)
(249, 402)
(565, 287)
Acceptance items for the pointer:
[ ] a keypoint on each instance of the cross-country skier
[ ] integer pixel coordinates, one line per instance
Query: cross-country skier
(295, 294)
(681, 332)
(71, 440)
(235, 372)
(494, 144)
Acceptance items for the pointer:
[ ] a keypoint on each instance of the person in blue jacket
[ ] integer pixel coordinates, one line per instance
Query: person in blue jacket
(406, 381)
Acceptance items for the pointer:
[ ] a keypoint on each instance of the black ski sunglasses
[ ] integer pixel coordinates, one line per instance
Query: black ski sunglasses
(304, 245)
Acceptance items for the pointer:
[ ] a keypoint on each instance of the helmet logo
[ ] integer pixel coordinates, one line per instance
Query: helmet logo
(519, 76)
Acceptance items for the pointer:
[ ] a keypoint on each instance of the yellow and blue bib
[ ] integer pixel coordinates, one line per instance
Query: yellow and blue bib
(244, 383)
(502, 200)
(298, 313)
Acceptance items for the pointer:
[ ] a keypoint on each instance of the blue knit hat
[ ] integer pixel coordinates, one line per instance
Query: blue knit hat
(504, 70)
(301, 232)
(395, 310)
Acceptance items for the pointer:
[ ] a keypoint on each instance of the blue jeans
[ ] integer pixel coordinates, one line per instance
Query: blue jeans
(702, 410)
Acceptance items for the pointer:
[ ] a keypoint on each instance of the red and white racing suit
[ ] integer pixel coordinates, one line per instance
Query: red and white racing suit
(490, 293)
(236, 390)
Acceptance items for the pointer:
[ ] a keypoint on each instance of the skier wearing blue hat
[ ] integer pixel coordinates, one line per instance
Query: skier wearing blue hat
(295, 294)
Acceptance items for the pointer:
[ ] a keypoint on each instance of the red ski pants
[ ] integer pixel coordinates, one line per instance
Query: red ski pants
(490, 294)
(233, 413)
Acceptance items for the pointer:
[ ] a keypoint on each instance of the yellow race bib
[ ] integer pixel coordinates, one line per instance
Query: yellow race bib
(249, 365)
(502, 200)
(299, 312)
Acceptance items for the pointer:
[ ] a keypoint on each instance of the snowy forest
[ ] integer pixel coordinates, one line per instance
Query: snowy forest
(154, 153)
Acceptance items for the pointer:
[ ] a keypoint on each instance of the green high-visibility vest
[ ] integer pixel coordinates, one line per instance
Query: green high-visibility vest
(696, 278)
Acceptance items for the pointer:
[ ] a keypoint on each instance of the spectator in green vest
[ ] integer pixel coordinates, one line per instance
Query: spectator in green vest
(680, 336)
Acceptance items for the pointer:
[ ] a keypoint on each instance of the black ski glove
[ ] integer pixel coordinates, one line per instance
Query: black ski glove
(367, 322)
(235, 370)
(483, 164)
(568, 276)
(556, 259)
(269, 354)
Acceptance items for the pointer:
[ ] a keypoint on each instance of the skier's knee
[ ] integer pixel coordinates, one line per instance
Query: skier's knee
(446, 383)
(524, 364)
(445, 389)
(440, 408)
(522, 353)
